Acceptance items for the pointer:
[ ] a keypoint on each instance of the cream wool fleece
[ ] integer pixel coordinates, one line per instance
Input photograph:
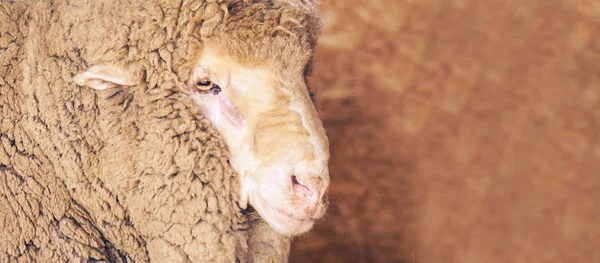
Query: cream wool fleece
(128, 175)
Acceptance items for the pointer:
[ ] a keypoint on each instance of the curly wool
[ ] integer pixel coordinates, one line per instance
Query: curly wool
(128, 174)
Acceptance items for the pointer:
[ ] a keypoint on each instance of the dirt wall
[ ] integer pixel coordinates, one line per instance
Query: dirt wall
(461, 131)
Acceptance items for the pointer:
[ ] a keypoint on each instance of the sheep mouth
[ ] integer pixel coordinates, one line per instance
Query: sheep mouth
(285, 213)
(283, 221)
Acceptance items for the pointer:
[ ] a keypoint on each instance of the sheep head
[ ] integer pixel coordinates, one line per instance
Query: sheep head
(248, 77)
(277, 141)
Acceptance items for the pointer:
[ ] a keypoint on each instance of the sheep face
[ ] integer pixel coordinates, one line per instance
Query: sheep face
(278, 144)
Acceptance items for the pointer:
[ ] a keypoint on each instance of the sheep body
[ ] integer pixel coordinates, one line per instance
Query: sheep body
(117, 175)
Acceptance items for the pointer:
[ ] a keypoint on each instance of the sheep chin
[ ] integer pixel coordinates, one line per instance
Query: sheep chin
(281, 221)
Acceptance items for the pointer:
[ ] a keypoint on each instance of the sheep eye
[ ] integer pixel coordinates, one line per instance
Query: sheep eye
(204, 85)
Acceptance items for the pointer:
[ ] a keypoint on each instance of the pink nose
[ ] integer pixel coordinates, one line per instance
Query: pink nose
(310, 192)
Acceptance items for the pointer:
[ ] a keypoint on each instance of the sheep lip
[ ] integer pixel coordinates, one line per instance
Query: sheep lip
(285, 213)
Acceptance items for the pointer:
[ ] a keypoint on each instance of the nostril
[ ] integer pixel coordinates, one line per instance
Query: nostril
(309, 194)
(298, 187)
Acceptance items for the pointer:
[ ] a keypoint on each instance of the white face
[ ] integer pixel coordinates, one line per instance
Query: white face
(277, 142)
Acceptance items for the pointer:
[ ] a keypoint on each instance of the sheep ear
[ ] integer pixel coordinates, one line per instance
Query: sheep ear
(104, 77)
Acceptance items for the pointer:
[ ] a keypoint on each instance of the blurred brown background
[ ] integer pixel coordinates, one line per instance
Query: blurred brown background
(461, 131)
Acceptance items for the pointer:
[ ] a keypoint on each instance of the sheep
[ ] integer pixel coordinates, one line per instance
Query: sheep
(143, 131)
